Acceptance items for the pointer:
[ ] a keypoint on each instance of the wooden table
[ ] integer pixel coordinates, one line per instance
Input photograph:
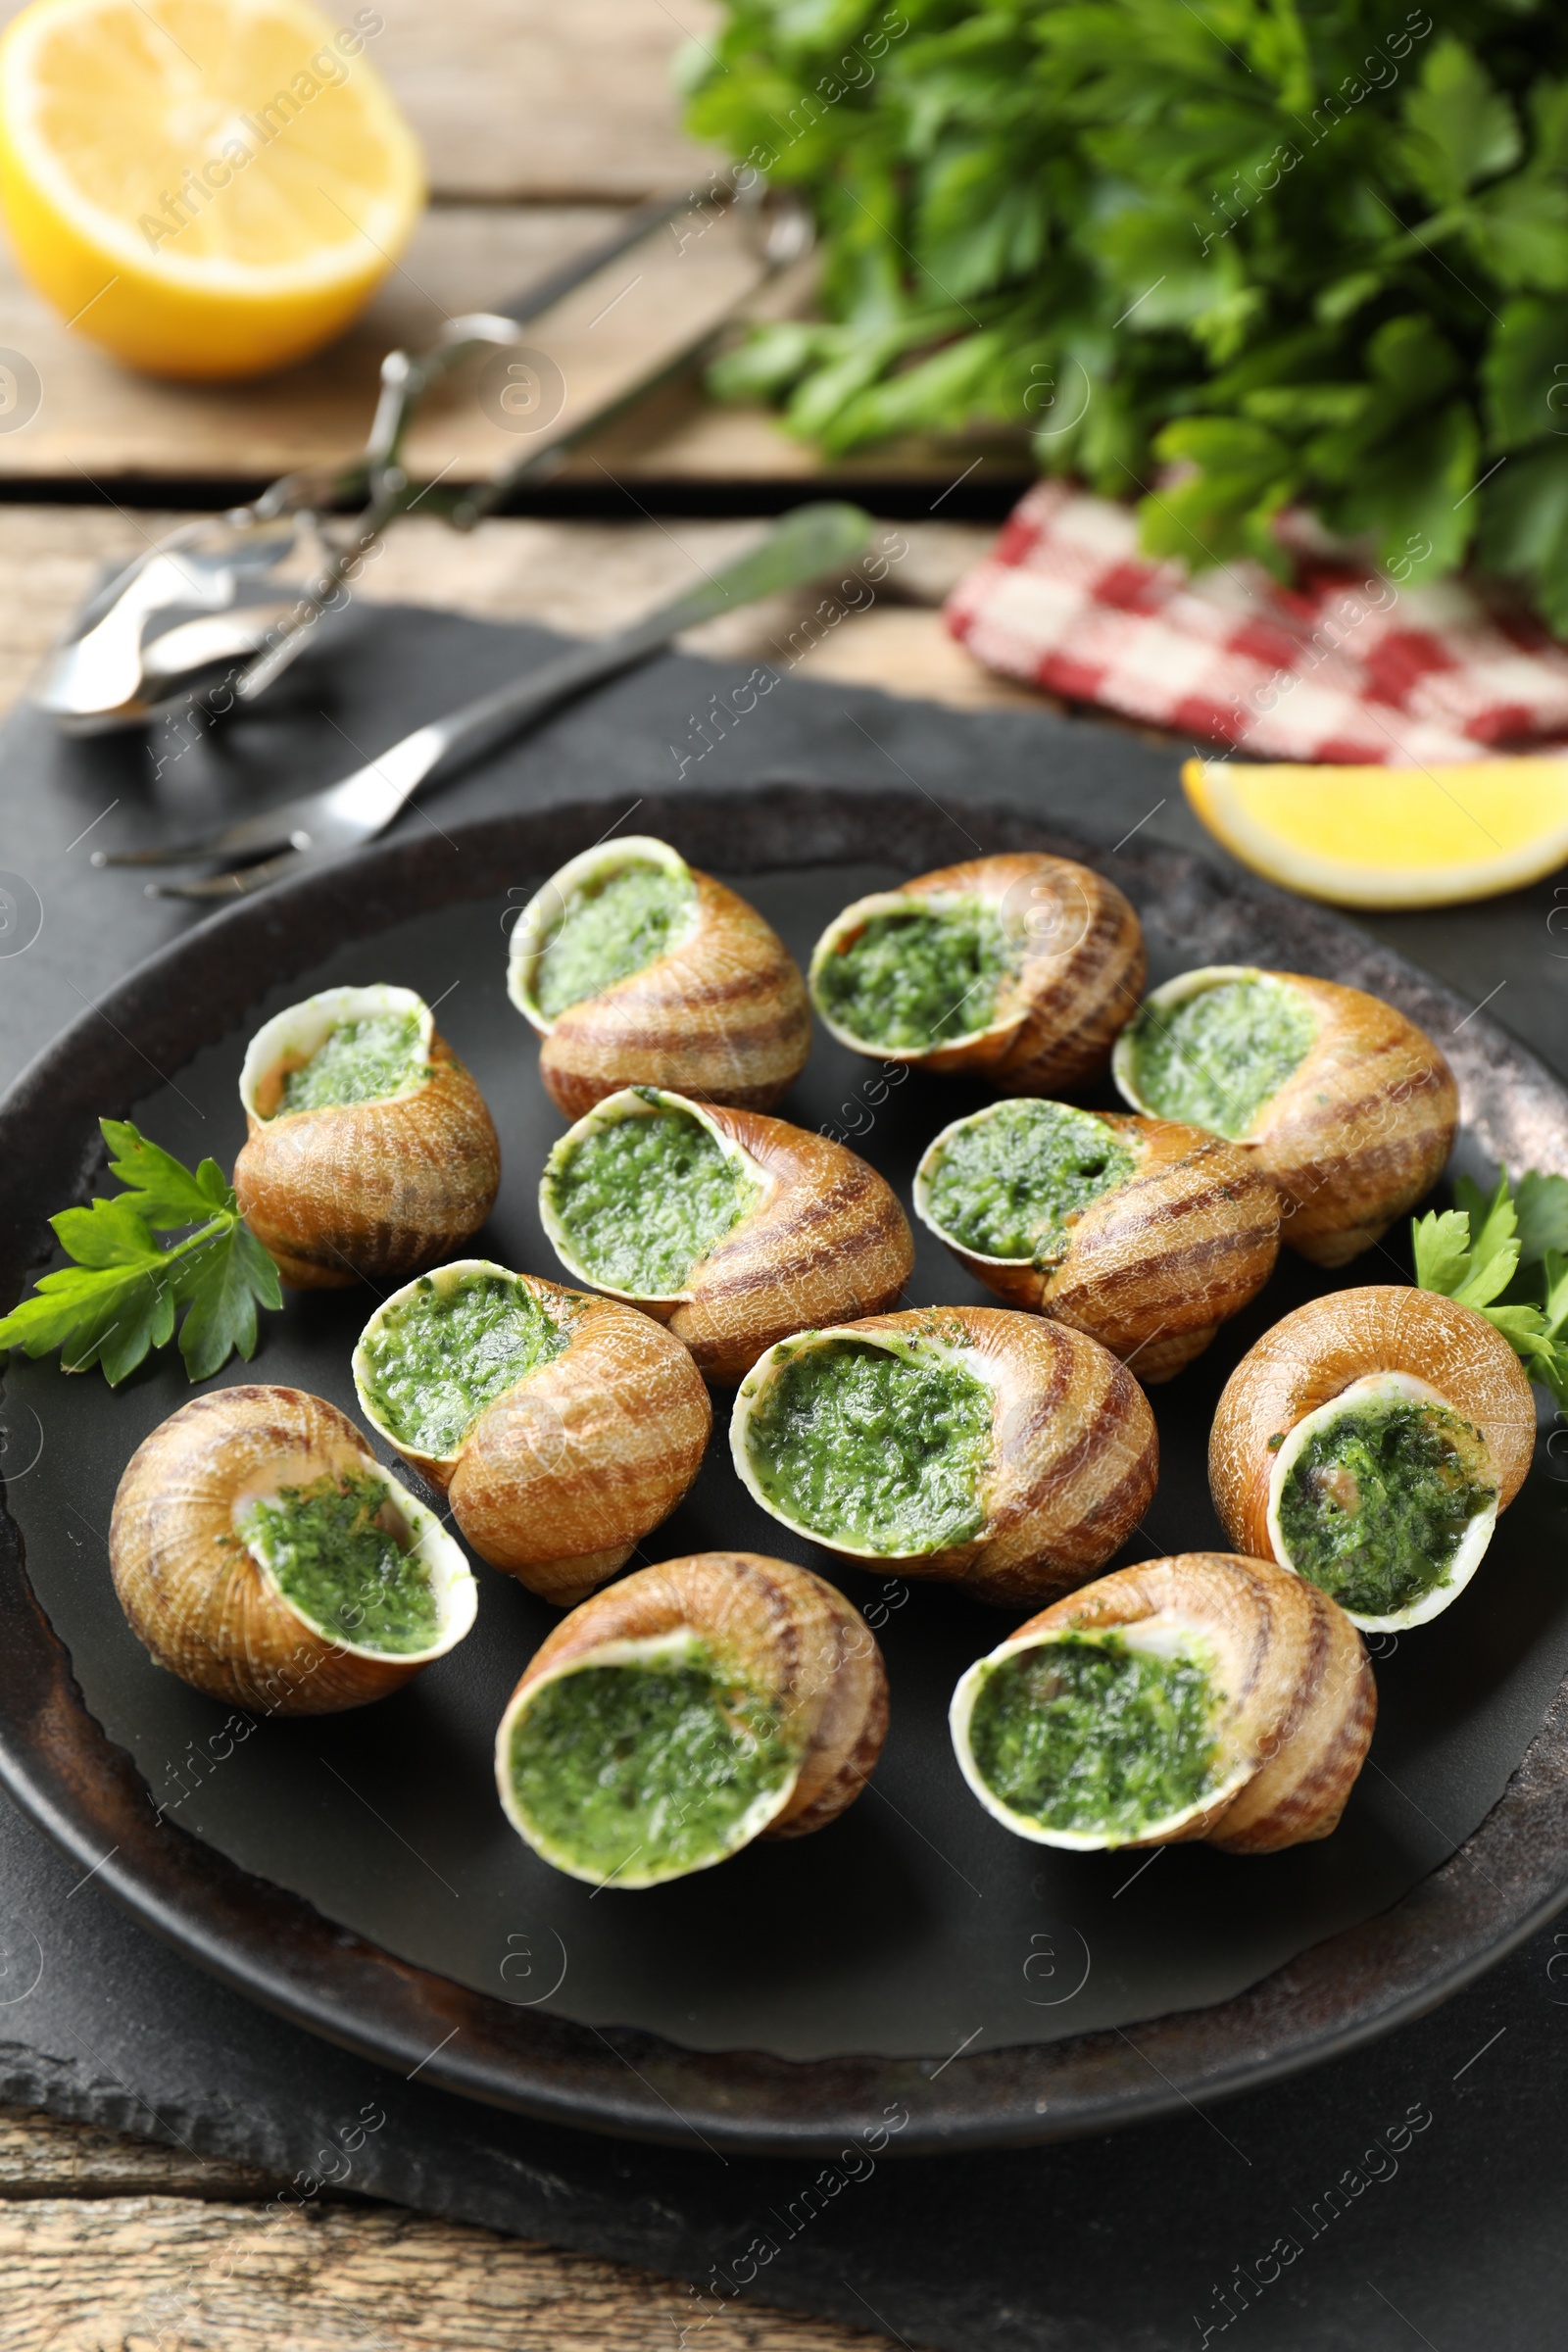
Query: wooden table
(541, 126)
(94, 2229)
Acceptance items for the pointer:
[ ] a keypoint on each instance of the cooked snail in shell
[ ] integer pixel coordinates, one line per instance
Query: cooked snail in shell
(1368, 1441)
(371, 1150)
(263, 1554)
(1348, 1106)
(636, 969)
(1145, 1234)
(1006, 1453)
(563, 1428)
(732, 1228)
(692, 1707)
(1020, 966)
(1206, 1696)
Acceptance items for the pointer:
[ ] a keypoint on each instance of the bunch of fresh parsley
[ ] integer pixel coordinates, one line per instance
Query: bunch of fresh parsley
(1506, 1254)
(1312, 252)
(123, 1293)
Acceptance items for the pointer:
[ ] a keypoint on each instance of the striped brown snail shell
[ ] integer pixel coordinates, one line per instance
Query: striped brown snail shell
(1366, 1355)
(1008, 1454)
(558, 1461)
(798, 1677)
(1353, 1134)
(202, 1593)
(367, 1190)
(817, 1235)
(1292, 1706)
(1062, 972)
(716, 1008)
(1181, 1233)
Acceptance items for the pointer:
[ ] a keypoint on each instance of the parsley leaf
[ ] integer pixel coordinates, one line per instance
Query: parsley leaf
(1541, 1202)
(1442, 1251)
(170, 1195)
(1504, 1253)
(1492, 1223)
(222, 1286)
(122, 1295)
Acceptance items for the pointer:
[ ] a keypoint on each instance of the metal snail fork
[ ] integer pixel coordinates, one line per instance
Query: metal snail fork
(216, 584)
(322, 825)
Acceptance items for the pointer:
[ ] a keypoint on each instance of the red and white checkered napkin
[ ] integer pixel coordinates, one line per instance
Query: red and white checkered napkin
(1345, 667)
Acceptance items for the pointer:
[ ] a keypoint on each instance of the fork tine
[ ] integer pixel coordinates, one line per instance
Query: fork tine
(237, 885)
(273, 829)
(178, 853)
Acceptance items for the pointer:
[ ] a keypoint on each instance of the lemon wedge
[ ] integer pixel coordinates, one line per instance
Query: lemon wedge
(208, 187)
(1389, 836)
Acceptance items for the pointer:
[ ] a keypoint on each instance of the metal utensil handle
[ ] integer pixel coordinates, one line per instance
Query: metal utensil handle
(814, 539)
(406, 376)
(405, 382)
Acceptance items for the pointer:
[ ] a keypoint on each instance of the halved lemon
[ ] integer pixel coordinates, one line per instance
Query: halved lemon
(209, 187)
(1387, 836)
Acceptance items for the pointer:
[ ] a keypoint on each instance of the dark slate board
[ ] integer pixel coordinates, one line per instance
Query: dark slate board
(1117, 2243)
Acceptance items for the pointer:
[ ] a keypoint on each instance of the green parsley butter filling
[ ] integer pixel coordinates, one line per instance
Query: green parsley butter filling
(1375, 1505)
(609, 929)
(919, 977)
(438, 1354)
(1088, 1735)
(1215, 1058)
(640, 1199)
(1011, 1182)
(883, 1449)
(340, 1551)
(361, 1062)
(646, 1768)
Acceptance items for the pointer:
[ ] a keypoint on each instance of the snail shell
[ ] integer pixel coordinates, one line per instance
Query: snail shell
(1071, 1462)
(199, 1598)
(1154, 1266)
(1357, 1133)
(1340, 1349)
(361, 1191)
(826, 1239)
(721, 1014)
(1080, 969)
(1298, 1698)
(559, 1477)
(808, 1655)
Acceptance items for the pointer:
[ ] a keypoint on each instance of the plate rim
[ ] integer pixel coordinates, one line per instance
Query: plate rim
(275, 1946)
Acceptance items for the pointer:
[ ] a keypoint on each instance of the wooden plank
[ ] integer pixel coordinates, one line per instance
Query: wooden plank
(518, 101)
(130, 2273)
(45, 2156)
(626, 325)
(498, 88)
(585, 578)
(911, 653)
(588, 577)
(529, 101)
(679, 435)
(102, 422)
(103, 425)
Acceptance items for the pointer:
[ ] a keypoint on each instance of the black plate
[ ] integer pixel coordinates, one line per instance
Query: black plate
(914, 1957)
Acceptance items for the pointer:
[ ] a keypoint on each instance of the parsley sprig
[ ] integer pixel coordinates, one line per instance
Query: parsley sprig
(1310, 255)
(122, 1295)
(1506, 1254)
